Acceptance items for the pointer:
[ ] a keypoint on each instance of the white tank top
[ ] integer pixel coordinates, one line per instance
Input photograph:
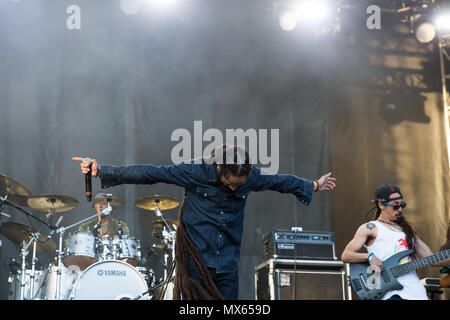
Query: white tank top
(388, 243)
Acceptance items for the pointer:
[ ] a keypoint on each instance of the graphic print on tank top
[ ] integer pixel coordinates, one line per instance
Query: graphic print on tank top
(400, 246)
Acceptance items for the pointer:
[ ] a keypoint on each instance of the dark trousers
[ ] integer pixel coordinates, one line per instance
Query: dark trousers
(226, 283)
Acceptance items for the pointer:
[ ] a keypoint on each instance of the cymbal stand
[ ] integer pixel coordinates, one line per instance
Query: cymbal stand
(51, 211)
(61, 231)
(24, 254)
(159, 214)
(169, 240)
(33, 263)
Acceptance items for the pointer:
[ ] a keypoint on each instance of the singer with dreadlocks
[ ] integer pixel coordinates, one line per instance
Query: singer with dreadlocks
(388, 234)
(211, 220)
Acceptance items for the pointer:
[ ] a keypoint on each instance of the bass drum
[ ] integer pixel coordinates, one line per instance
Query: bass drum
(110, 280)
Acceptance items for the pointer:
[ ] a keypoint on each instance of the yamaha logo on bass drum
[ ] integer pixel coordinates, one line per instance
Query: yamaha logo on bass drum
(112, 273)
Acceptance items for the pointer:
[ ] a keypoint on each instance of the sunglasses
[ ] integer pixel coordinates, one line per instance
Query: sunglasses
(396, 206)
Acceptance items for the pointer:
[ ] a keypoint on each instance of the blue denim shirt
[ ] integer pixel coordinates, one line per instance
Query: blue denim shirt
(213, 217)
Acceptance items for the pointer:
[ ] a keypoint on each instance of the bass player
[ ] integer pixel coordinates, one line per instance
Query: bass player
(386, 236)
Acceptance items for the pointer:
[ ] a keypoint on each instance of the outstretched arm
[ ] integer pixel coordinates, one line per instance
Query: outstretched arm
(288, 183)
(136, 174)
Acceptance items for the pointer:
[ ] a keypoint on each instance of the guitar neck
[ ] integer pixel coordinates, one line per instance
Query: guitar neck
(420, 263)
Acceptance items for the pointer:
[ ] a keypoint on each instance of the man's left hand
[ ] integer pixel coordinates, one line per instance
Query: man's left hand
(326, 182)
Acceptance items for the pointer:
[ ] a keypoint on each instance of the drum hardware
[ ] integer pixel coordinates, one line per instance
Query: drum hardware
(160, 223)
(152, 289)
(157, 204)
(24, 254)
(105, 251)
(61, 231)
(26, 236)
(169, 240)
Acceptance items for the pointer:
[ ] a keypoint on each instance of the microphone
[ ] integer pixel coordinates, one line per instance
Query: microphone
(55, 227)
(88, 184)
(105, 212)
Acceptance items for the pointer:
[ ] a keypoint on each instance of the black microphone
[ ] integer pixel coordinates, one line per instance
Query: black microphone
(88, 183)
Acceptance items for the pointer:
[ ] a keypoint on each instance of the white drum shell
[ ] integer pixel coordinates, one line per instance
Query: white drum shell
(16, 280)
(69, 277)
(80, 250)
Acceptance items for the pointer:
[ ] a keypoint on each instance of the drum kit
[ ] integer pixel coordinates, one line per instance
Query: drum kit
(87, 265)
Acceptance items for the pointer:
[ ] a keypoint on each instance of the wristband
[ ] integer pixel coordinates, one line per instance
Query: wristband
(370, 257)
(315, 186)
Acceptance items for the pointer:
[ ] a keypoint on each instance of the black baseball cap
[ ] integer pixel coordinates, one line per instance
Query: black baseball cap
(383, 192)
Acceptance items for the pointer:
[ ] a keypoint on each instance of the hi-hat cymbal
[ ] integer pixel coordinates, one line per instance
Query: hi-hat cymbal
(113, 201)
(17, 233)
(45, 202)
(163, 203)
(17, 193)
(161, 224)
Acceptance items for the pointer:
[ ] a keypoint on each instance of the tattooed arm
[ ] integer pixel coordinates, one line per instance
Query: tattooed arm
(365, 234)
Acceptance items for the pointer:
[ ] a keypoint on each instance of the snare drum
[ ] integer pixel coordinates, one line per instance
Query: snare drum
(81, 250)
(110, 280)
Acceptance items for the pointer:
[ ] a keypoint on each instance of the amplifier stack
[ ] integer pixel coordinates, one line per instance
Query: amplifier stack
(301, 266)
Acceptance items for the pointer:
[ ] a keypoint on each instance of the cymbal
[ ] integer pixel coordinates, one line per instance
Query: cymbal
(17, 233)
(161, 224)
(17, 193)
(113, 201)
(163, 203)
(45, 202)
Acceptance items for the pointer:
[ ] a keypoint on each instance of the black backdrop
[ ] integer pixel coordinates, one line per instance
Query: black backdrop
(363, 104)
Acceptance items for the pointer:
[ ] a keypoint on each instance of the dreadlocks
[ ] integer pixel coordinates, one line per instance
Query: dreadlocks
(184, 286)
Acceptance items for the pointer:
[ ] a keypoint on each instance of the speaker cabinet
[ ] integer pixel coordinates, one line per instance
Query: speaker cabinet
(286, 279)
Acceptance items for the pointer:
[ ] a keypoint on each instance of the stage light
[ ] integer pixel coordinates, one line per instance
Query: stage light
(442, 22)
(307, 13)
(425, 32)
(312, 11)
(288, 21)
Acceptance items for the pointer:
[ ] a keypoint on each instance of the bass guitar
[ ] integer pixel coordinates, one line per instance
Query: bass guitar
(372, 286)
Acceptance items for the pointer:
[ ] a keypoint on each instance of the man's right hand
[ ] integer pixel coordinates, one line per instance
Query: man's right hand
(376, 265)
(85, 165)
